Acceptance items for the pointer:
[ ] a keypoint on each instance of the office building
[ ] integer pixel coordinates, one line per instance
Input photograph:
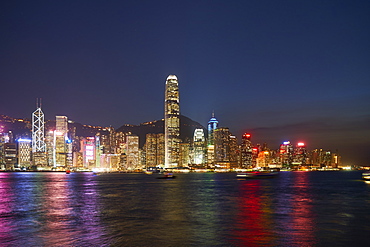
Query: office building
(39, 156)
(172, 122)
(246, 152)
(212, 126)
(225, 149)
(60, 141)
(154, 150)
(199, 147)
(24, 153)
(88, 152)
(286, 154)
(132, 153)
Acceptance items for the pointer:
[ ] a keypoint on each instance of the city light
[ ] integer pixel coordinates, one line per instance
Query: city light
(24, 140)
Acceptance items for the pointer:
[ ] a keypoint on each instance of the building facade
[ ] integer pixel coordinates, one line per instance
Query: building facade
(211, 127)
(172, 122)
(199, 147)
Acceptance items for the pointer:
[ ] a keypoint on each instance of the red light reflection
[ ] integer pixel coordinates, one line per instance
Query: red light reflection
(252, 226)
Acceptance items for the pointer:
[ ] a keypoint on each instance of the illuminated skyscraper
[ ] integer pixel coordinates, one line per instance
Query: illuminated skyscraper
(60, 140)
(246, 151)
(172, 122)
(225, 148)
(38, 137)
(88, 152)
(300, 154)
(24, 152)
(38, 130)
(132, 152)
(286, 154)
(199, 147)
(212, 126)
(154, 149)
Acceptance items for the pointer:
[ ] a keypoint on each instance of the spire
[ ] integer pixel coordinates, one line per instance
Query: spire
(38, 103)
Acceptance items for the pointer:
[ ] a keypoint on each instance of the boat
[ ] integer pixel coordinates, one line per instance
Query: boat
(167, 176)
(68, 171)
(366, 176)
(257, 174)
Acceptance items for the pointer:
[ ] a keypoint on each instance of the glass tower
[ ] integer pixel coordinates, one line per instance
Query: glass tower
(38, 130)
(172, 122)
(212, 125)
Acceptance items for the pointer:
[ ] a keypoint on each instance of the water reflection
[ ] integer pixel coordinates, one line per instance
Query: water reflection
(6, 207)
(302, 216)
(254, 218)
(80, 209)
(276, 212)
(49, 209)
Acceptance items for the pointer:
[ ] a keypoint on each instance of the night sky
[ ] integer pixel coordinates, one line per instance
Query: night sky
(282, 70)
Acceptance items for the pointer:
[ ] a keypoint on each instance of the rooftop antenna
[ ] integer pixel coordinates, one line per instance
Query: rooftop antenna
(38, 102)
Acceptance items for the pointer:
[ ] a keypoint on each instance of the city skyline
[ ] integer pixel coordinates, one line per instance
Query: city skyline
(281, 71)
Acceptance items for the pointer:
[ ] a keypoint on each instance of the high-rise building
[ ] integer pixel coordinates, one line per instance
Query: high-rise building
(60, 140)
(199, 147)
(10, 155)
(88, 150)
(184, 160)
(154, 150)
(246, 151)
(172, 122)
(38, 137)
(132, 153)
(225, 149)
(300, 155)
(38, 130)
(24, 152)
(286, 154)
(212, 126)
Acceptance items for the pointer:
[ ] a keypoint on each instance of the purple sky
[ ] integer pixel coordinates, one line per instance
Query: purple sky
(283, 70)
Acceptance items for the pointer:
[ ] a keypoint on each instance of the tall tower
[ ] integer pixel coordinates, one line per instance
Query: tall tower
(38, 129)
(212, 126)
(199, 147)
(246, 151)
(172, 122)
(60, 141)
(38, 136)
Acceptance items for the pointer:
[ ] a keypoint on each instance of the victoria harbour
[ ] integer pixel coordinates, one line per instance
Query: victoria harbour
(195, 209)
(184, 123)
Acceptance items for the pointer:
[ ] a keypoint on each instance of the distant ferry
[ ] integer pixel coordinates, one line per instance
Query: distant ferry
(366, 176)
(257, 174)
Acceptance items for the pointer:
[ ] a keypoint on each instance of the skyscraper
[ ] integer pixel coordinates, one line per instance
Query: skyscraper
(172, 122)
(212, 126)
(60, 140)
(199, 147)
(24, 152)
(38, 136)
(286, 154)
(132, 162)
(246, 151)
(225, 148)
(154, 149)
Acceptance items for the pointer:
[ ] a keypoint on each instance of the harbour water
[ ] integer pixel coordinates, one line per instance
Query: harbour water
(195, 209)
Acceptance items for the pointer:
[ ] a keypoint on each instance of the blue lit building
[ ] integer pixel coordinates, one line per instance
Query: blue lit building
(212, 126)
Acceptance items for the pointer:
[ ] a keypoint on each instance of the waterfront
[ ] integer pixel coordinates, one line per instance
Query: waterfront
(196, 209)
